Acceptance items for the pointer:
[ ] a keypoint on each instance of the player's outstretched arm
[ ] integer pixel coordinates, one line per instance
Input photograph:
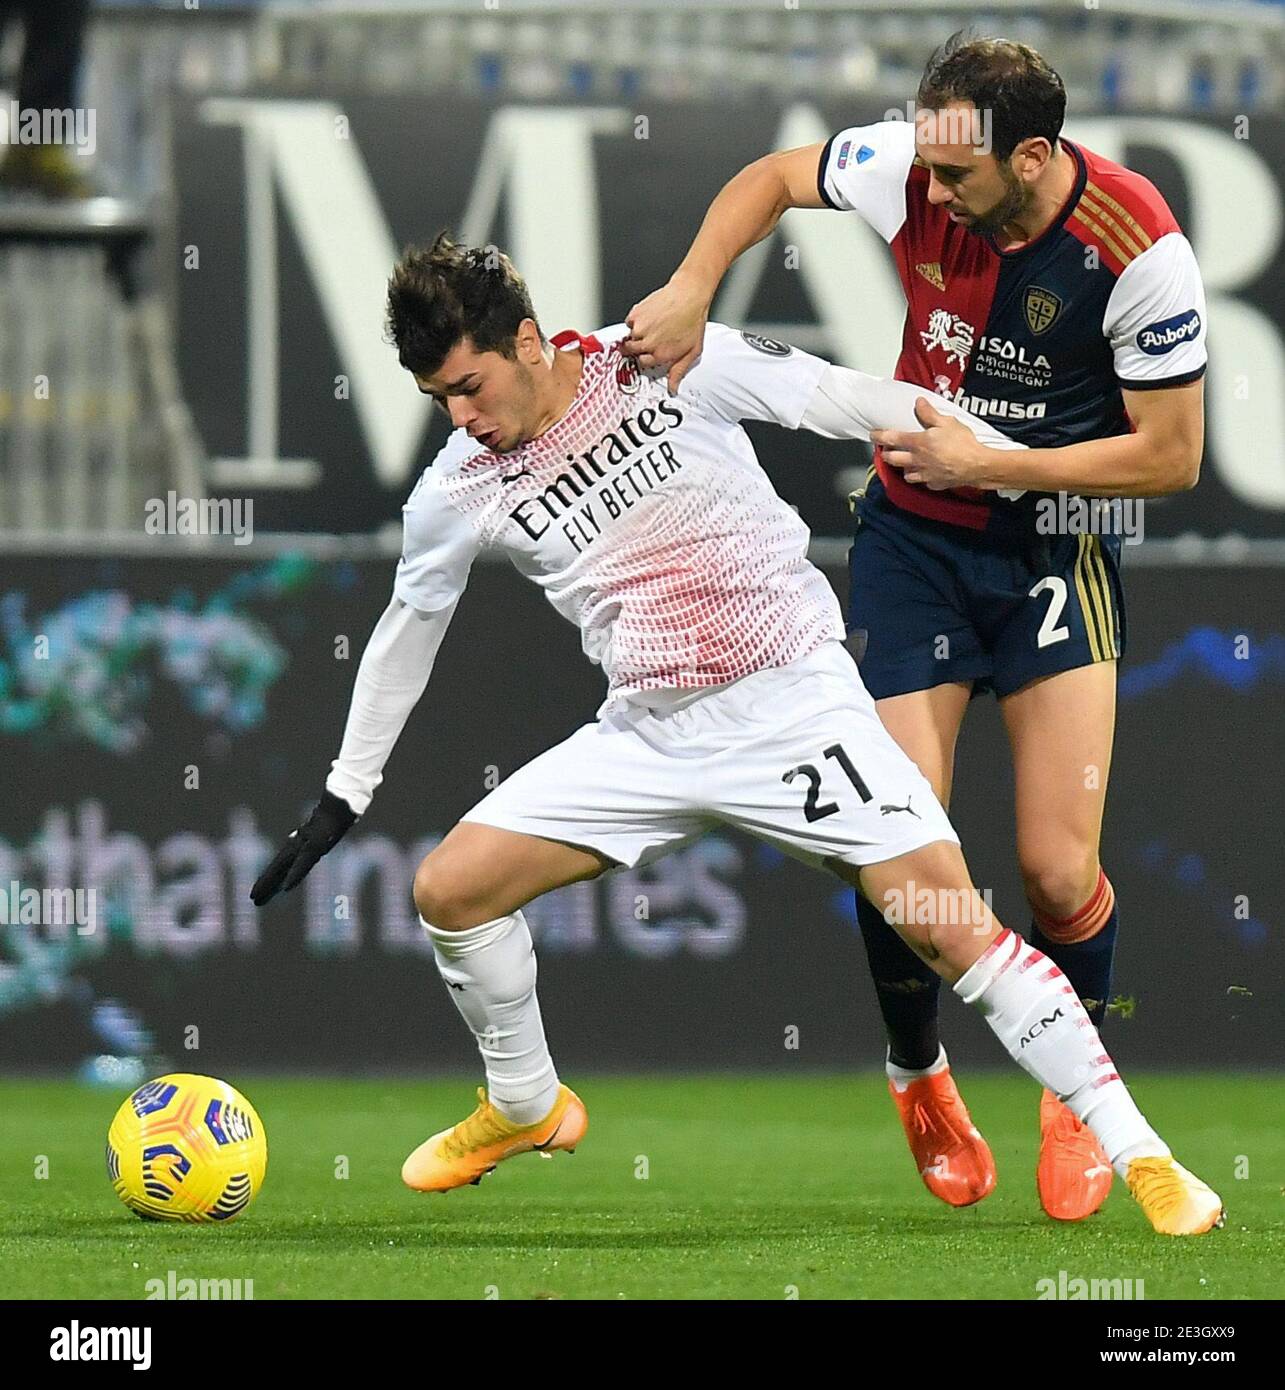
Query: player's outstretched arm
(667, 328)
(1160, 456)
(851, 405)
(393, 673)
(854, 405)
(744, 376)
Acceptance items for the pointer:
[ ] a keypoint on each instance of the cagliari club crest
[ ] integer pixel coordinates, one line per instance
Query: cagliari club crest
(1042, 307)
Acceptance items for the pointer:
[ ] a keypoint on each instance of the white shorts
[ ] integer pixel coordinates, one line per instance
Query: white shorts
(795, 755)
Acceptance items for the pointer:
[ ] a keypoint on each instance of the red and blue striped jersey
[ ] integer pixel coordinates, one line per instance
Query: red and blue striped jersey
(1039, 340)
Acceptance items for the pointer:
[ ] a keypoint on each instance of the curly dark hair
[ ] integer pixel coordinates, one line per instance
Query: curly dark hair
(1010, 80)
(443, 293)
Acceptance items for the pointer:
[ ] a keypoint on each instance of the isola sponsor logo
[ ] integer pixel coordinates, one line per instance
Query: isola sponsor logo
(1158, 338)
(1002, 357)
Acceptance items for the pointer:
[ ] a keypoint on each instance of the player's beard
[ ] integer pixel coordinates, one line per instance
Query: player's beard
(1013, 202)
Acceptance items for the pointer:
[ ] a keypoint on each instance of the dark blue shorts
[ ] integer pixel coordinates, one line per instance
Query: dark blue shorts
(940, 603)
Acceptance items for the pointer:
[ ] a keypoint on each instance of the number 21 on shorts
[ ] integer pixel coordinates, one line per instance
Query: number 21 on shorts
(813, 810)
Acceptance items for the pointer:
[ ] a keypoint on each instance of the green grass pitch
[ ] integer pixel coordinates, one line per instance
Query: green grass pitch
(702, 1187)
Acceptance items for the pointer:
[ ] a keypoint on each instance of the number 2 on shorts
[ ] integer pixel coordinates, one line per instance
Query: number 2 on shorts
(1049, 631)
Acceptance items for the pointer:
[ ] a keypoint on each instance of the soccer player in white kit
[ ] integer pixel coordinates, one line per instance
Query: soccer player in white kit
(649, 523)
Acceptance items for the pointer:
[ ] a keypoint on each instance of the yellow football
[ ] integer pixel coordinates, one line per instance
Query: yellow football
(186, 1148)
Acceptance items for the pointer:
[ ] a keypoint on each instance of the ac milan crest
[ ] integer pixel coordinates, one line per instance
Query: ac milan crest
(628, 378)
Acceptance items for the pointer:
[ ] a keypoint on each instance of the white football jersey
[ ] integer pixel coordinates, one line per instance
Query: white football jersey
(646, 518)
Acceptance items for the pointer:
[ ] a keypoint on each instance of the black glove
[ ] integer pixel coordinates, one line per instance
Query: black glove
(331, 819)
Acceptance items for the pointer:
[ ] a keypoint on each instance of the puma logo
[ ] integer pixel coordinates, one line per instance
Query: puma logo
(513, 477)
(452, 985)
(887, 809)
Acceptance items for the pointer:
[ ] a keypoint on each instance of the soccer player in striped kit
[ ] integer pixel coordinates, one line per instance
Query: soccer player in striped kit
(647, 521)
(1052, 293)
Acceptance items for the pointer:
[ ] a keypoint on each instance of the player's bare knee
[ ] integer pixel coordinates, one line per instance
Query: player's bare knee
(932, 901)
(1058, 886)
(426, 892)
(442, 893)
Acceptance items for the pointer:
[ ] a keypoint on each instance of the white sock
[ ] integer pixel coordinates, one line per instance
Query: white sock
(901, 1077)
(1039, 1018)
(490, 972)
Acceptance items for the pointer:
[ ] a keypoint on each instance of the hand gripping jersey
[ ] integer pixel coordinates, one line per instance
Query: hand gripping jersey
(644, 517)
(1039, 340)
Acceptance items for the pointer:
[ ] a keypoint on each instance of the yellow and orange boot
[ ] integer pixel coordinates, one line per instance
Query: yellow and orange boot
(466, 1152)
(1073, 1173)
(1176, 1202)
(953, 1159)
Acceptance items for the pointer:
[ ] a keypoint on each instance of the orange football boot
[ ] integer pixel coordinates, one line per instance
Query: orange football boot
(1073, 1173)
(469, 1150)
(953, 1159)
